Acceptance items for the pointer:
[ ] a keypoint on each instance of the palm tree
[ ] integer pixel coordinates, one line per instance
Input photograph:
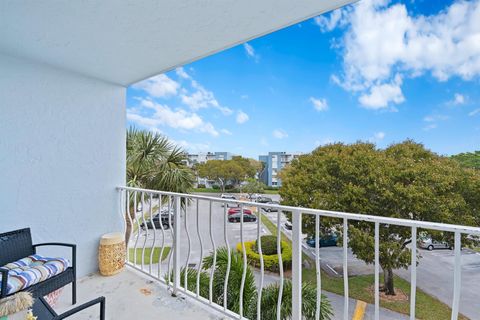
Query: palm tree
(269, 293)
(153, 162)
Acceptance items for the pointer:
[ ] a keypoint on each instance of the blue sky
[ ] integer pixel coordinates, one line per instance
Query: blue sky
(380, 71)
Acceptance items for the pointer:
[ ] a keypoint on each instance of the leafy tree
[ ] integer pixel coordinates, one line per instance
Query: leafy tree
(403, 181)
(468, 159)
(250, 292)
(233, 171)
(253, 186)
(153, 162)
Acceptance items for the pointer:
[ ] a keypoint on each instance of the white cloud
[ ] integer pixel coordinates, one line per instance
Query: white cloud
(279, 134)
(334, 19)
(201, 97)
(383, 40)
(430, 127)
(163, 115)
(250, 51)
(474, 112)
(319, 104)
(160, 86)
(193, 147)
(377, 137)
(264, 141)
(182, 73)
(242, 117)
(225, 131)
(435, 118)
(458, 99)
(382, 95)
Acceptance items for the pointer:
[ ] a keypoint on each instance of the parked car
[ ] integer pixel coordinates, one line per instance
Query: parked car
(329, 240)
(271, 209)
(254, 197)
(236, 217)
(430, 244)
(230, 197)
(156, 222)
(237, 210)
(288, 226)
(264, 200)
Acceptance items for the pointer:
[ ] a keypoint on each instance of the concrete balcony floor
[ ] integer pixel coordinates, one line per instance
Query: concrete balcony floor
(132, 295)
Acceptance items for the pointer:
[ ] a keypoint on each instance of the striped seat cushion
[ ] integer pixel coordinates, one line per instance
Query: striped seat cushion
(31, 270)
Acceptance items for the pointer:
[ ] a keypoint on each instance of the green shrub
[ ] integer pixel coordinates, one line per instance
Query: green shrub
(269, 245)
(270, 262)
(201, 186)
(216, 187)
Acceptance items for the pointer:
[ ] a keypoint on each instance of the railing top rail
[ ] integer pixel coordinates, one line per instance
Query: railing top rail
(327, 213)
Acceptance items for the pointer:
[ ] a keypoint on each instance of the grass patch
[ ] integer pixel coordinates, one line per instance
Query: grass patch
(147, 254)
(427, 307)
(266, 191)
(477, 249)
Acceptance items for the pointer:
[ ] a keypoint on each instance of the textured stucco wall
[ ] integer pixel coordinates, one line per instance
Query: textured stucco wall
(62, 153)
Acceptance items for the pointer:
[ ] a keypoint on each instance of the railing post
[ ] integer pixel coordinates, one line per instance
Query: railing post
(296, 265)
(176, 244)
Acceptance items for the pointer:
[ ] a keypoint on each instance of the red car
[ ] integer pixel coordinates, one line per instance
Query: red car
(237, 210)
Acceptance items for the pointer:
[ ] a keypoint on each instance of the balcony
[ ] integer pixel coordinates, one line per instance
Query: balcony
(192, 227)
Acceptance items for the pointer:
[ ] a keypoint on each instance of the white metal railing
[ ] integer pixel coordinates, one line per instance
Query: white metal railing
(182, 208)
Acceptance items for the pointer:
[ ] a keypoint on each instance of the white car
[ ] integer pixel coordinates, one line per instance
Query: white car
(429, 244)
(230, 197)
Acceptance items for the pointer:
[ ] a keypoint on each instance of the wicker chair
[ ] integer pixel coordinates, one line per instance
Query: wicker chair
(18, 244)
(42, 310)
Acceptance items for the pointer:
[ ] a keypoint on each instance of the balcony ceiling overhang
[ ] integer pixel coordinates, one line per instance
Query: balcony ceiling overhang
(124, 41)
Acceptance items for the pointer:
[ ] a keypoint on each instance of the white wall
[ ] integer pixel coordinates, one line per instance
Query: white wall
(62, 153)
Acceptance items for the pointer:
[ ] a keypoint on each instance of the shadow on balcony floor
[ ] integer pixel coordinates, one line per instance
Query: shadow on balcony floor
(131, 295)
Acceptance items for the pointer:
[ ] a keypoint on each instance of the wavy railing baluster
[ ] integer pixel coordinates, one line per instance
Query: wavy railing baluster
(129, 216)
(229, 261)
(244, 272)
(160, 258)
(146, 229)
(172, 248)
(214, 265)
(154, 233)
(317, 267)
(280, 265)
(262, 271)
(187, 232)
(199, 268)
(139, 228)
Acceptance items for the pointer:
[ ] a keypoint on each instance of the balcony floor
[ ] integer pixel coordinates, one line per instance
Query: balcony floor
(132, 295)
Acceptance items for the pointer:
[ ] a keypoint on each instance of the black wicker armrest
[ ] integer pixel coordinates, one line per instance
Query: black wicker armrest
(86, 305)
(73, 246)
(3, 289)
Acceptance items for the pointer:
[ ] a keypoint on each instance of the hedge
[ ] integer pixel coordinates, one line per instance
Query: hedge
(270, 262)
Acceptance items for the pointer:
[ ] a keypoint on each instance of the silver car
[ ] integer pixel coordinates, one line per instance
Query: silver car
(429, 244)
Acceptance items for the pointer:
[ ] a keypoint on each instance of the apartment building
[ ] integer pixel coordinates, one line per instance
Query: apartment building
(274, 162)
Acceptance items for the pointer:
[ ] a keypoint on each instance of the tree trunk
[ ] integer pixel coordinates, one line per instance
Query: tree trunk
(388, 286)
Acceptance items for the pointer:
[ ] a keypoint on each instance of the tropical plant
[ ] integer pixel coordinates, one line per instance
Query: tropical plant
(153, 162)
(404, 180)
(468, 159)
(232, 171)
(269, 296)
(253, 186)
